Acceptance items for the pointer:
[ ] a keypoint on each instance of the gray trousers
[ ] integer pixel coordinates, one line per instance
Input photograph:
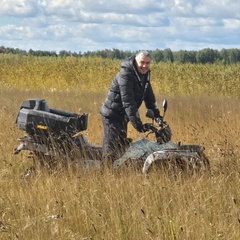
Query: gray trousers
(115, 138)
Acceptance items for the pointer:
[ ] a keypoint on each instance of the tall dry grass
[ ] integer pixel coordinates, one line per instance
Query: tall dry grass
(122, 205)
(125, 205)
(84, 74)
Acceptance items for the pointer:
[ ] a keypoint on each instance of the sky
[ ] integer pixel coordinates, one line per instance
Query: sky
(128, 25)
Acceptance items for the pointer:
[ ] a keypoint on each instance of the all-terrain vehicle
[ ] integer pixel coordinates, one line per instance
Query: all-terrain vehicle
(54, 137)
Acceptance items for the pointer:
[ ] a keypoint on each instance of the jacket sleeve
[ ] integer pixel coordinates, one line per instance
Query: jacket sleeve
(150, 101)
(126, 82)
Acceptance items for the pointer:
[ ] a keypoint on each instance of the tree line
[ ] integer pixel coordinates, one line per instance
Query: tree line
(206, 55)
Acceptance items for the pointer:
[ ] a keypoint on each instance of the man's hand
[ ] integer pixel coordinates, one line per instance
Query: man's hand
(144, 127)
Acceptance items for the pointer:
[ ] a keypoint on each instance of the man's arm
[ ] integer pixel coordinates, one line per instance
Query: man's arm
(150, 101)
(128, 101)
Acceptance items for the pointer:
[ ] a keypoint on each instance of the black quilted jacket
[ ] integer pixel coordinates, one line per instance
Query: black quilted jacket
(127, 92)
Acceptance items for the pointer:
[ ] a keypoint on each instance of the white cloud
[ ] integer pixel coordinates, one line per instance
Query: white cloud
(125, 24)
(232, 24)
(219, 9)
(19, 8)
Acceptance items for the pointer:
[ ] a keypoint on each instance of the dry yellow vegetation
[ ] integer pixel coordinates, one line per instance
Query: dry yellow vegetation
(125, 205)
(94, 74)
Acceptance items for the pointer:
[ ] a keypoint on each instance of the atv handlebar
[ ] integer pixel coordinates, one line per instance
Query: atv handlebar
(163, 134)
(150, 126)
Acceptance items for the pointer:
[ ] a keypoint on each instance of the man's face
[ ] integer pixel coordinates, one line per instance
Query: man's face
(143, 64)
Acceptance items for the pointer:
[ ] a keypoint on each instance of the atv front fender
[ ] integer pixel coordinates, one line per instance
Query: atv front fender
(171, 156)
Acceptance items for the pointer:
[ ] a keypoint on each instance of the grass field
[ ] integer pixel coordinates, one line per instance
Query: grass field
(125, 205)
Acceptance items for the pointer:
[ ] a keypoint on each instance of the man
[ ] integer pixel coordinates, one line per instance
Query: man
(128, 90)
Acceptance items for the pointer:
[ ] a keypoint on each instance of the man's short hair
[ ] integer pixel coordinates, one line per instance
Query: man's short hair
(143, 53)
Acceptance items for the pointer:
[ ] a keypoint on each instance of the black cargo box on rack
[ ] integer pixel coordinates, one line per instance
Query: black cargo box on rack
(36, 118)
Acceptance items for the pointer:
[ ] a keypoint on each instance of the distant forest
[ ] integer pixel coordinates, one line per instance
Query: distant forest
(206, 55)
